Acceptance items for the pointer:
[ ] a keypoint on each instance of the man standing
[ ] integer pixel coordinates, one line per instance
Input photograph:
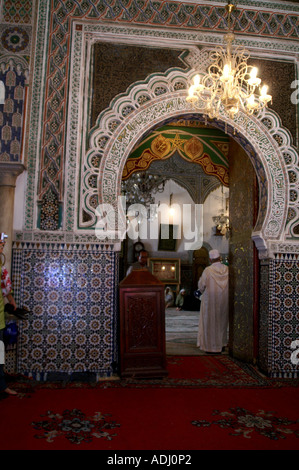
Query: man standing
(213, 317)
(140, 264)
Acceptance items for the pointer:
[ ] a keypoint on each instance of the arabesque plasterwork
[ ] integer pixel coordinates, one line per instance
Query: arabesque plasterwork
(119, 128)
(278, 222)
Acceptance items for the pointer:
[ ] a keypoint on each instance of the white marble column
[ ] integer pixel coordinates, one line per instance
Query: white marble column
(8, 175)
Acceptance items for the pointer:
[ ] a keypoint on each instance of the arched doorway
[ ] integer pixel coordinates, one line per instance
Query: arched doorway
(187, 149)
(242, 258)
(259, 142)
(263, 139)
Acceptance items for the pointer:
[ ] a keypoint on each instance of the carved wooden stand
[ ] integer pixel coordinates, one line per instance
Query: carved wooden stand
(142, 326)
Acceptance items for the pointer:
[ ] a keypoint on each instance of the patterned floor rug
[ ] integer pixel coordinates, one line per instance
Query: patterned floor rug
(123, 419)
(204, 371)
(205, 403)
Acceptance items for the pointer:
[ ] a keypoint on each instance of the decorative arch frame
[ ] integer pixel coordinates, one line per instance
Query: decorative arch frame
(161, 98)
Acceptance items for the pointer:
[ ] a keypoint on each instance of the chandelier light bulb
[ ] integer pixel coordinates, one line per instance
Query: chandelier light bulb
(196, 80)
(233, 111)
(191, 93)
(254, 80)
(264, 96)
(251, 103)
(227, 75)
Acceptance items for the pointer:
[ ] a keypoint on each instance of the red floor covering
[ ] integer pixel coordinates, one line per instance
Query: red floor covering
(128, 416)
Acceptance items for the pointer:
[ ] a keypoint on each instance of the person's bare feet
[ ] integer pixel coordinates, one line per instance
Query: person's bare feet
(10, 391)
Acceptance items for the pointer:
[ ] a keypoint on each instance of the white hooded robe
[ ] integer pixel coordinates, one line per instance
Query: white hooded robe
(213, 317)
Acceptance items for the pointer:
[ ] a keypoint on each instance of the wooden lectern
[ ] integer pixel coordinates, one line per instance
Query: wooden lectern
(142, 326)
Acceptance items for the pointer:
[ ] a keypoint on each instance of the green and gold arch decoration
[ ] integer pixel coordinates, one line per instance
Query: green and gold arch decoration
(204, 146)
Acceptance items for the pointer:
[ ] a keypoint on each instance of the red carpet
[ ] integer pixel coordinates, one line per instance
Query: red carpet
(128, 415)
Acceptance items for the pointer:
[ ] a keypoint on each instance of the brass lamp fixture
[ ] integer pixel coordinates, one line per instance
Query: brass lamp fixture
(221, 221)
(222, 224)
(230, 83)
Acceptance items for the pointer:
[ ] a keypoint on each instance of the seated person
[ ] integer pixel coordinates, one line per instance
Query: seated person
(169, 297)
(179, 302)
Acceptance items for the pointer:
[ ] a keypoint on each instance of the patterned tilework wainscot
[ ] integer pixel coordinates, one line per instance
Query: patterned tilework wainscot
(70, 291)
(284, 314)
(264, 315)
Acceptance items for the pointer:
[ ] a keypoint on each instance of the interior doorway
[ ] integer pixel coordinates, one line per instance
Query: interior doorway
(182, 326)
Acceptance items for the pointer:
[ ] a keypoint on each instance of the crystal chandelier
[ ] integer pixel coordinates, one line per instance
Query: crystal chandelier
(230, 83)
(140, 189)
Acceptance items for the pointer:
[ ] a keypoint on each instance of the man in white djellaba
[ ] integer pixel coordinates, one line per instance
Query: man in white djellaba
(213, 316)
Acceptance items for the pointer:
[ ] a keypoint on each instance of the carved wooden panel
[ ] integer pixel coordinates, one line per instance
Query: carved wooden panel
(142, 326)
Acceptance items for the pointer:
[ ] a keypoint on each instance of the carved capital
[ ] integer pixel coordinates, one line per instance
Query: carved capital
(9, 172)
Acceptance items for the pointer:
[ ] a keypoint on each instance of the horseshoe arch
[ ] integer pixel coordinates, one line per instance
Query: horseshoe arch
(162, 97)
